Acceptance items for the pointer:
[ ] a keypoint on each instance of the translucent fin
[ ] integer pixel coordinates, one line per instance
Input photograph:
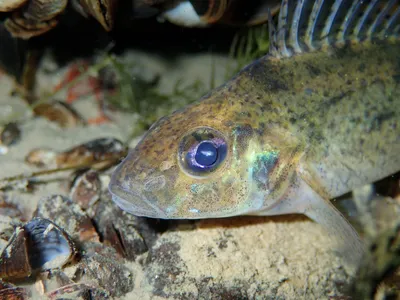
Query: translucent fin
(309, 25)
(303, 199)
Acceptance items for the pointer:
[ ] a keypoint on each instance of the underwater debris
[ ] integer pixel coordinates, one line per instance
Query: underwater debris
(101, 266)
(9, 135)
(78, 291)
(85, 189)
(57, 285)
(10, 209)
(9, 291)
(379, 272)
(38, 245)
(69, 216)
(122, 231)
(192, 13)
(59, 112)
(99, 153)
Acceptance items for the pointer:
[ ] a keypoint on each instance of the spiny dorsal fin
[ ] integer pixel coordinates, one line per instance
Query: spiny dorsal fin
(309, 25)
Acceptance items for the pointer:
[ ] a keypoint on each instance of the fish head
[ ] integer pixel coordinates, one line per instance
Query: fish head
(203, 161)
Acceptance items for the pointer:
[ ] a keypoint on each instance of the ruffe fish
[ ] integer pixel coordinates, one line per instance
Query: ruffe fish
(313, 119)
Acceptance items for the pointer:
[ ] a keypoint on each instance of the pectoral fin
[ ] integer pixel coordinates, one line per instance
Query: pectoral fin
(301, 198)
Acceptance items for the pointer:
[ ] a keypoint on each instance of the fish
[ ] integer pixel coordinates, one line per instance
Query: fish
(313, 119)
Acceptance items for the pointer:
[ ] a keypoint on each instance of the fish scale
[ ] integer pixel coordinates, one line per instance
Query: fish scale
(312, 120)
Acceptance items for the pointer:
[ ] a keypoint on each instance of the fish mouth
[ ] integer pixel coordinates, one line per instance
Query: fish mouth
(132, 200)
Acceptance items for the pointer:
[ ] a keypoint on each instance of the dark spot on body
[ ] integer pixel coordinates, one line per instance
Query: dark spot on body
(383, 117)
(364, 83)
(336, 99)
(313, 70)
(361, 67)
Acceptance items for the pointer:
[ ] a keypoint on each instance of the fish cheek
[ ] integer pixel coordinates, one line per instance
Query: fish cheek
(262, 169)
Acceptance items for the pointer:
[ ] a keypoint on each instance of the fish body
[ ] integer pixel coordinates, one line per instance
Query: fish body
(310, 121)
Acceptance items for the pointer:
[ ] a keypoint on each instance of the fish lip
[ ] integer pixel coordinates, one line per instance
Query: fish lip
(126, 199)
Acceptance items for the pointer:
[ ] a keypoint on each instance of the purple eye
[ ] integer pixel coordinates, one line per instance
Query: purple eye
(206, 154)
(202, 151)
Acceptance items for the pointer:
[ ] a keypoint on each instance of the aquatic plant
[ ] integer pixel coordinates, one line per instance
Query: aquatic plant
(247, 45)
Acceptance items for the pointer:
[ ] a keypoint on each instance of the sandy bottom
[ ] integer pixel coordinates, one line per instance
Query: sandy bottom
(237, 258)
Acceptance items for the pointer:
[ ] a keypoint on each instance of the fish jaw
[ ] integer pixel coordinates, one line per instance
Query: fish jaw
(129, 195)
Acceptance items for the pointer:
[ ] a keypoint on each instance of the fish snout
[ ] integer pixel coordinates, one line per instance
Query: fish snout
(135, 196)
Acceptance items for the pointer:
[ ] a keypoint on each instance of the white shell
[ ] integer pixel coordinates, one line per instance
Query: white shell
(184, 15)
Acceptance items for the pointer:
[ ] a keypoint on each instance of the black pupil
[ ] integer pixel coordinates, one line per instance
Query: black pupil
(206, 154)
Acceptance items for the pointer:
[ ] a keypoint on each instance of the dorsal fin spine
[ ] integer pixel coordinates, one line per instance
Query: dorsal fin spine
(348, 21)
(363, 19)
(283, 29)
(381, 17)
(294, 32)
(309, 25)
(331, 19)
(392, 21)
(312, 24)
(273, 49)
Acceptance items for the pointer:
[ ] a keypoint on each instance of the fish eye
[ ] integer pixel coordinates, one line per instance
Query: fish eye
(202, 151)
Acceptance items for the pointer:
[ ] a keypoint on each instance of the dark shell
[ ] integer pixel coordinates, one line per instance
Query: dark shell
(77, 291)
(105, 271)
(34, 18)
(10, 134)
(86, 189)
(9, 291)
(99, 153)
(102, 10)
(38, 245)
(69, 216)
(14, 260)
(59, 112)
(42, 158)
(129, 235)
(49, 246)
(10, 5)
(22, 28)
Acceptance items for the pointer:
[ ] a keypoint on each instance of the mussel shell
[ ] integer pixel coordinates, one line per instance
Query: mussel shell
(14, 260)
(10, 5)
(86, 189)
(49, 246)
(21, 28)
(35, 18)
(194, 13)
(96, 153)
(59, 112)
(9, 291)
(235, 12)
(102, 10)
(69, 216)
(10, 134)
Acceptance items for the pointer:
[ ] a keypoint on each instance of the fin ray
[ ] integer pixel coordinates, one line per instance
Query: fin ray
(309, 25)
